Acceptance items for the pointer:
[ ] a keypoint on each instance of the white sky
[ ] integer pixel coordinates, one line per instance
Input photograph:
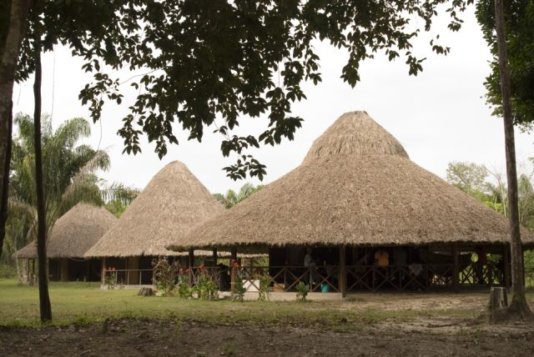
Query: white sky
(439, 116)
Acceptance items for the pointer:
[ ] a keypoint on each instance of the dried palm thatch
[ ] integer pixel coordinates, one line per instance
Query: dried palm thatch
(356, 186)
(74, 233)
(173, 202)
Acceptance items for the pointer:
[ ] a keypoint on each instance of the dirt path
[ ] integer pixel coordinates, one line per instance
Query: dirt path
(135, 337)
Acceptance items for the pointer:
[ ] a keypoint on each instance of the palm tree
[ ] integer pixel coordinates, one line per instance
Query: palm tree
(68, 172)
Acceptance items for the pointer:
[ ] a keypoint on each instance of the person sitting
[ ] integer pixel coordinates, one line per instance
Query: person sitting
(382, 258)
(382, 262)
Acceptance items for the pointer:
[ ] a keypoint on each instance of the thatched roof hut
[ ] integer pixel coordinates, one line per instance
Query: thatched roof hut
(173, 202)
(74, 233)
(356, 186)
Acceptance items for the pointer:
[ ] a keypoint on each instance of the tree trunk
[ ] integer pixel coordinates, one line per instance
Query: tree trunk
(9, 53)
(44, 298)
(518, 306)
(5, 155)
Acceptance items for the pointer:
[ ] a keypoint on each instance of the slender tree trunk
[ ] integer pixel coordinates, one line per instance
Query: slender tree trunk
(44, 298)
(5, 139)
(9, 53)
(518, 305)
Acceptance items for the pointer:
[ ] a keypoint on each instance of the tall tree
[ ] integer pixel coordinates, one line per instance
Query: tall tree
(518, 306)
(68, 172)
(12, 29)
(519, 15)
(45, 307)
(467, 176)
(202, 59)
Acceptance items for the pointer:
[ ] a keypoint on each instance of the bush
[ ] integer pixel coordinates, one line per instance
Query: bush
(265, 282)
(7, 271)
(302, 291)
(165, 275)
(184, 290)
(206, 288)
(239, 291)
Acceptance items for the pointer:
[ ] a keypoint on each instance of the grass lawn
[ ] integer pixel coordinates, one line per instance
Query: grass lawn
(82, 303)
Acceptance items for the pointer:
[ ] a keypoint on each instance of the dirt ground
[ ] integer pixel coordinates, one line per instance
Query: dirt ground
(448, 334)
(141, 337)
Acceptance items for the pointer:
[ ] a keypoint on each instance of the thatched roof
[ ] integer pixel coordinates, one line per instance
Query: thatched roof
(355, 186)
(173, 202)
(74, 232)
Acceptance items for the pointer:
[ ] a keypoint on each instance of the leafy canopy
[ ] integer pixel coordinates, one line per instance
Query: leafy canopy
(206, 59)
(519, 18)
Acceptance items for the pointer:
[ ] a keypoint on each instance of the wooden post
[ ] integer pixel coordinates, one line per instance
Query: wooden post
(132, 276)
(233, 275)
(63, 269)
(214, 257)
(506, 265)
(191, 263)
(455, 268)
(103, 274)
(342, 278)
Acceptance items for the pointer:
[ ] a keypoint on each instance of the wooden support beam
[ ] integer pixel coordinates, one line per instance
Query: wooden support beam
(233, 267)
(455, 268)
(214, 256)
(233, 253)
(103, 272)
(342, 278)
(191, 264)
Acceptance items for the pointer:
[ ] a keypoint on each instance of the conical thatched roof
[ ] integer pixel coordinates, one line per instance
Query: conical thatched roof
(173, 202)
(74, 232)
(355, 186)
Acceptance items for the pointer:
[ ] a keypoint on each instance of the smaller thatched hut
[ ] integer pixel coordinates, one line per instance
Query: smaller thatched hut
(172, 203)
(70, 237)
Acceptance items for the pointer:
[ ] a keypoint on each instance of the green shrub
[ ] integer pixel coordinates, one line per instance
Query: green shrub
(206, 288)
(7, 271)
(239, 291)
(302, 291)
(263, 290)
(184, 290)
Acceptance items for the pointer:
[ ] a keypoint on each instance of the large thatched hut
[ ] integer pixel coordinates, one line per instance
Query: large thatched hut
(70, 237)
(358, 214)
(172, 203)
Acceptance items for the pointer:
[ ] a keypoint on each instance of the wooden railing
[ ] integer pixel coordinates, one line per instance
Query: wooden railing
(326, 278)
(127, 277)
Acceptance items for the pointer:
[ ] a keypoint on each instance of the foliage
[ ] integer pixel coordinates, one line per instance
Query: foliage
(164, 275)
(302, 291)
(196, 61)
(467, 176)
(68, 170)
(205, 287)
(474, 179)
(232, 198)
(263, 290)
(7, 271)
(111, 278)
(519, 18)
(184, 290)
(238, 294)
(118, 197)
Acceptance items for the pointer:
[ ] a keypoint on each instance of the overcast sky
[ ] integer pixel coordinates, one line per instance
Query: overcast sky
(439, 116)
